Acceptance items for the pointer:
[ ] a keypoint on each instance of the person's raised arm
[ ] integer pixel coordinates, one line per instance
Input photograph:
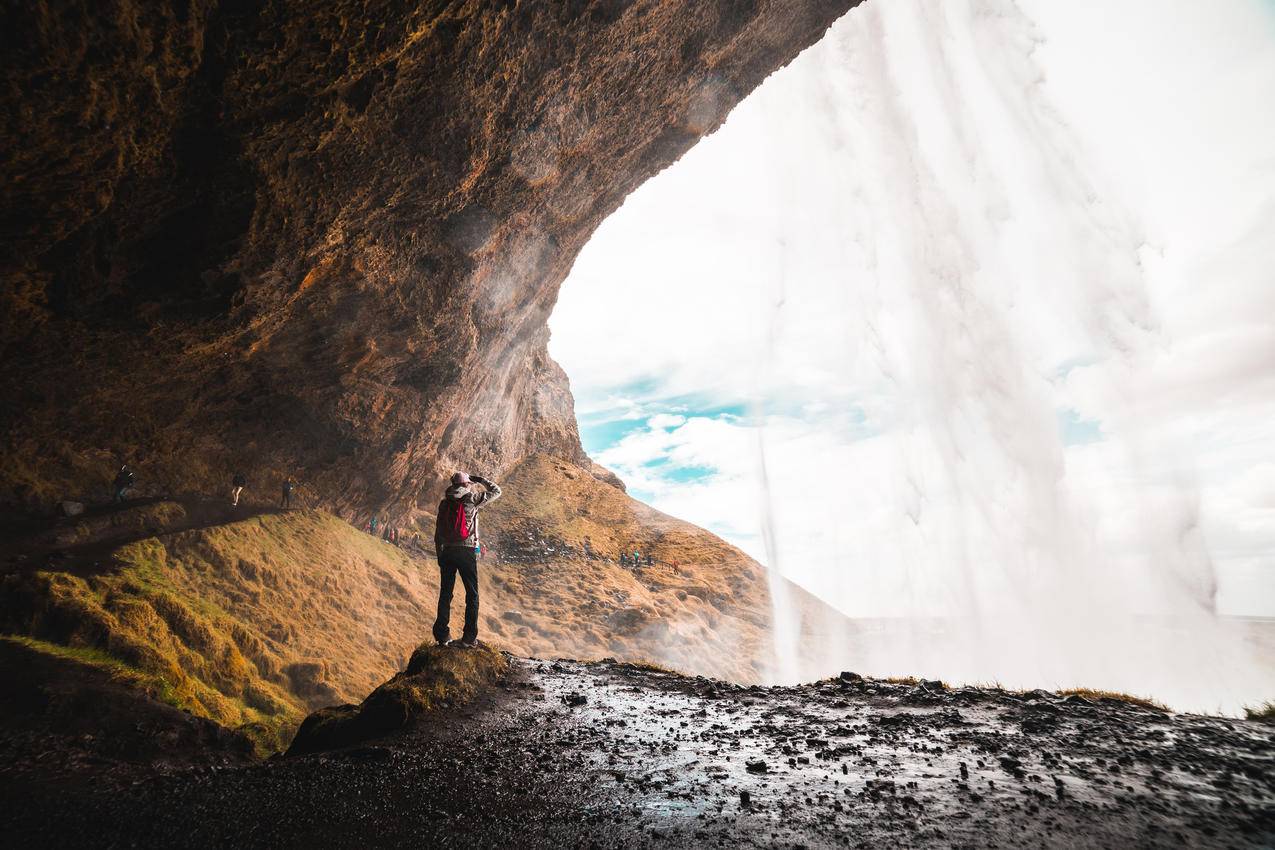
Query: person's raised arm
(491, 487)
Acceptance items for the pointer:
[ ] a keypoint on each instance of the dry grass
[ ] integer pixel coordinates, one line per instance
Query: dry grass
(655, 668)
(902, 680)
(1265, 711)
(250, 624)
(1091, 694)
(116, 670)
(142, 632)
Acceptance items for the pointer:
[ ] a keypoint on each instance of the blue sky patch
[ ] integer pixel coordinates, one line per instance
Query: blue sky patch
(1076, 431)
(597, 437)
(689, 473)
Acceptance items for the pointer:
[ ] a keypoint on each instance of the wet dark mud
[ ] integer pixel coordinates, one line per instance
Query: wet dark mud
(850, 762)
(572, 754)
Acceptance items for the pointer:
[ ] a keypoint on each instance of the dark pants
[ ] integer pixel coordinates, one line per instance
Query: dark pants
(285, 500)
(452, 560)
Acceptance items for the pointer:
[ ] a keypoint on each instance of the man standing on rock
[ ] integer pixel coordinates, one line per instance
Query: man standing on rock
(457, 545)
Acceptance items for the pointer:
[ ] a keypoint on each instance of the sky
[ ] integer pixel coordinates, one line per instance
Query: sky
(967, 312)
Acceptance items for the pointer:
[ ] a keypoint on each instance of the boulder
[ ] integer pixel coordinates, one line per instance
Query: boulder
(436, 676)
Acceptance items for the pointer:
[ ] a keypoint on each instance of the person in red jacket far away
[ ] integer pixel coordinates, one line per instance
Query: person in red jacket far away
(456, 542)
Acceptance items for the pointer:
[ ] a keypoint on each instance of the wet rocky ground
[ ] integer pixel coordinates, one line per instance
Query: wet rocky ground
(571, 754)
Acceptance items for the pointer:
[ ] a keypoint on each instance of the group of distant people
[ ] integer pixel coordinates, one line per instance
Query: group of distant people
(239, 482)
(126, 479)
(636, 559)
(391, 533)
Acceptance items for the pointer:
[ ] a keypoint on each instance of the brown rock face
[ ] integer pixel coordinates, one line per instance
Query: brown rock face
(323, 240)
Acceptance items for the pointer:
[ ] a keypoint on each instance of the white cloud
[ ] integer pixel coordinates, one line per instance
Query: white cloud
(665, 421)
(997, 294)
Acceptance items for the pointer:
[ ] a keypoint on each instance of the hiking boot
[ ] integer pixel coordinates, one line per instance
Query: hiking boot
(465, 644)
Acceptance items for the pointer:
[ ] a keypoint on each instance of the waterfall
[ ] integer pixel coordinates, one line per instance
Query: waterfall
(994, 288)
(1010, 415)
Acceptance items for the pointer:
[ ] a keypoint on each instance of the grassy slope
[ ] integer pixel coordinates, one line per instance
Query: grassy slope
(709, 615)
(255, 623)
(250, 624)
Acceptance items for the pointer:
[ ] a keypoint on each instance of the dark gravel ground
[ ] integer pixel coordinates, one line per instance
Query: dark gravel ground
(568, 754)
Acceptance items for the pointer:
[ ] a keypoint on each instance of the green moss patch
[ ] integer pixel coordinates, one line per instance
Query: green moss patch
(139, 628)
(251, 624)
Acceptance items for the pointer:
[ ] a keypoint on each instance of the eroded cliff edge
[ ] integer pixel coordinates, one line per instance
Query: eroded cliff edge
(323, 240)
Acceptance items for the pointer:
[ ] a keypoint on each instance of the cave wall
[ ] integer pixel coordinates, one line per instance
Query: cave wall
(323, 239)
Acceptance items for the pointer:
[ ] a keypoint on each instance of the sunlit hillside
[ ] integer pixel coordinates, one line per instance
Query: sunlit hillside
(253, 622)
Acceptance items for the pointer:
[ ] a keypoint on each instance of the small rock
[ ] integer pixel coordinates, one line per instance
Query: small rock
(757, 766)
(72, 508)
(574, 699)
(745, 799)
(847, 676)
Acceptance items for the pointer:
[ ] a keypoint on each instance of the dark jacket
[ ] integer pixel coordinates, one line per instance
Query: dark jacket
(470, 502)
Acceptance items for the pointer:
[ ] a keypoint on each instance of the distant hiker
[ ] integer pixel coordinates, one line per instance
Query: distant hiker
(236, 487)
(637, 558)
(285, 497)
(371, 526)
(624, 559)
(650, 559)
(457, 544)
(123, 482)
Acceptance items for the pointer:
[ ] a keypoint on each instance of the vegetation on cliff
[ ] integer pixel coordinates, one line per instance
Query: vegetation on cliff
(250, 623)
(255, 621)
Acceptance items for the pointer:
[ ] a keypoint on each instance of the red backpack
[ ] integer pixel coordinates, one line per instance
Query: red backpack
(453, 524)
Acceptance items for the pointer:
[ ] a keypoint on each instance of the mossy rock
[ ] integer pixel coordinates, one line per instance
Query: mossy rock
(436, 677)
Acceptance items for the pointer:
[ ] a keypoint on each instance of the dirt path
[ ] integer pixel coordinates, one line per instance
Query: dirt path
(85, 544)
(580, 754)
